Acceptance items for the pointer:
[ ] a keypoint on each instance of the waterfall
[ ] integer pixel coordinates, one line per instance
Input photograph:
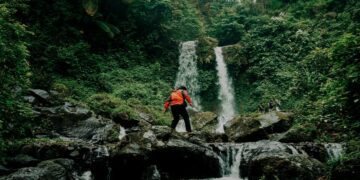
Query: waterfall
(226, 92)
(235, 158)
(187, 73)
(188, 76)
(122, 133)
(334, 150)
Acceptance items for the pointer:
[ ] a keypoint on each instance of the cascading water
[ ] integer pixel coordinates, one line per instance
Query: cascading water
(226, 92)
(122, 133)
(334, 150)
(187, 73)
(188, 76)
(235, 158)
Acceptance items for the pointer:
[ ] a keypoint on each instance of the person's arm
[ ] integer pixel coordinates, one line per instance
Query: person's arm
(187, 97)
(166, 104)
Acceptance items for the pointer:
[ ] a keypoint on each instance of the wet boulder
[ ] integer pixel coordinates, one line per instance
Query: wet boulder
(60, 169)
(314, 150)
(243, 129)
(253, 128)
(4, 170)
(40, 94)
(62, 117)
(204, 122)
(22, 160)
(285, 166)
(274, 122)
(297, 133)
(181, 159)
(78, 150)
(242, 154)
(129, 162)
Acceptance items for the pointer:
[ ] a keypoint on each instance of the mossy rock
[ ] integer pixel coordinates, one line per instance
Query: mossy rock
(205, 49)
(235, 54)
(104, 104)
(204, 121)
(297, 133)
(125, 116)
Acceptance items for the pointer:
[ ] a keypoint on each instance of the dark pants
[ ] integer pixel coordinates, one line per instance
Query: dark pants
(178, 110)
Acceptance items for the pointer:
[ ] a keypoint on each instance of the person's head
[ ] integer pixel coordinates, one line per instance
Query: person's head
(182, 88)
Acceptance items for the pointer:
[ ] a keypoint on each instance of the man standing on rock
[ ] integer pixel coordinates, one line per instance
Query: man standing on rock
(177, 102)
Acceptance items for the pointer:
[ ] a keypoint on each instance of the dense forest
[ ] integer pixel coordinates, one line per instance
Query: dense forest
(117, 57)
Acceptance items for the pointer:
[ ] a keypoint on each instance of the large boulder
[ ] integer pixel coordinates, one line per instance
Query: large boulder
(60, 169)
(285, 167)
(40, 94)
(204, 122)
(62, 117)
(78, 150)
(314, 150)
(253, 128)
(242, 129)
(274, 122)
(22, 160)
(245, 160)
(297, 133)
(4, 170)
(181, 159)
(129, 162)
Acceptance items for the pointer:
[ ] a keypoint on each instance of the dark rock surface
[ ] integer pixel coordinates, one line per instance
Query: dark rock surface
(285, 167)
(22, 160)
(60, 169)
(244, 129)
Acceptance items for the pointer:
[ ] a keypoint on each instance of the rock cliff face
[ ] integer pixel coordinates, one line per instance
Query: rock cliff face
(78, 144)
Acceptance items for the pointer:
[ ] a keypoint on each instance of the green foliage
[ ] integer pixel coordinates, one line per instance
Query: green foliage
(104, 104)
(15, 114)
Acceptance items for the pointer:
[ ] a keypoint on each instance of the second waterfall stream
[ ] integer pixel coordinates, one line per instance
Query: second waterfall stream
(226, 92)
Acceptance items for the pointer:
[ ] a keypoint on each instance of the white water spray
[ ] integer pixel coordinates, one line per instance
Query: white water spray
(122, 133)
(334, 150)
(226, 92)
(188, 76)
(187, 73)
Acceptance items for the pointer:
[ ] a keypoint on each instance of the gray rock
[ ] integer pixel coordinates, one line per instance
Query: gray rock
(29, 99)
(4, 170)
(22, 160)
(243, 129)
(246, 152)
(205, 122)
(285, 167)
(195, 161)
(46, 170)
(151, 173)
(299, 133)
(39, 93)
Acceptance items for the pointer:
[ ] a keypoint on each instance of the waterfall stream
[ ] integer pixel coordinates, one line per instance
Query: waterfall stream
(188, 76)
(334, 150)
(187, 73)
(226, 92)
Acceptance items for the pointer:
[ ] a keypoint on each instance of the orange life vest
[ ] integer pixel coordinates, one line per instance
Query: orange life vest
(177, 98)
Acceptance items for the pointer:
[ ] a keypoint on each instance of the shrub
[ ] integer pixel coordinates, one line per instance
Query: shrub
(104, 104)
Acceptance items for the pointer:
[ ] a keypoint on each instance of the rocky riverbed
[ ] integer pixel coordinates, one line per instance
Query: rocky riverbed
(79, 144)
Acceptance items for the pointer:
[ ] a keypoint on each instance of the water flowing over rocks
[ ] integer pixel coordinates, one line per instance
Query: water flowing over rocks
(248, 160)
(226, 92)
(78, 144)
